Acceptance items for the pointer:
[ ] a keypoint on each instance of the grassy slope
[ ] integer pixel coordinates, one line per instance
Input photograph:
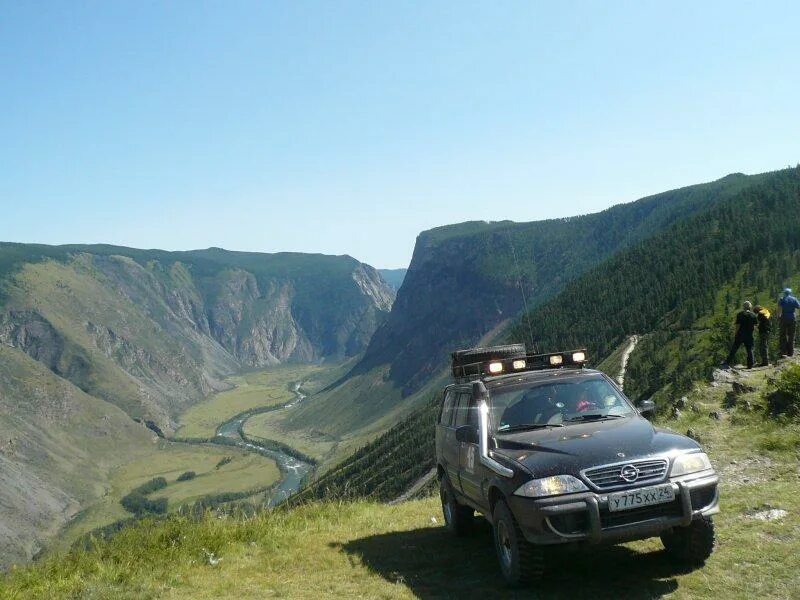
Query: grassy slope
(386, 466)
(161, 371)
(58, 446)
(246, 471)
(370, 550)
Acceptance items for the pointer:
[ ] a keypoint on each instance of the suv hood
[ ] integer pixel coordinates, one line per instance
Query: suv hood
(569, 449)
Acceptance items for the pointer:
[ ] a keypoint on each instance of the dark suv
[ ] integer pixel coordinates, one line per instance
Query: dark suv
(554, 453)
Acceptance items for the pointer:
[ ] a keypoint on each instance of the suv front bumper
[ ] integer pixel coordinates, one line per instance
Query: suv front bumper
(584, 517)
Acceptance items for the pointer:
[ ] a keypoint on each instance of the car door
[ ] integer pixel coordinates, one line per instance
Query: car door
(470, 468)
(446, 437)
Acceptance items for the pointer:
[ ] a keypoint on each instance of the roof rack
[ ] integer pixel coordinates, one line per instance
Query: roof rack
(472, 371)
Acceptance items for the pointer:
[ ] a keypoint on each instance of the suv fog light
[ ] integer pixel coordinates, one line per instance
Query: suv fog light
(578, 357)
(551, 486)
(556, 359)
(518, 364)
(495, 367)
(690, 463)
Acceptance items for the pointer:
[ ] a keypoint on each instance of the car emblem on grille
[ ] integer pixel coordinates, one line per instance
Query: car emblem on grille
(629, 473)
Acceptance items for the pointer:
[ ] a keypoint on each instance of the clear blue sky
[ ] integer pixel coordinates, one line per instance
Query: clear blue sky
(349, 127)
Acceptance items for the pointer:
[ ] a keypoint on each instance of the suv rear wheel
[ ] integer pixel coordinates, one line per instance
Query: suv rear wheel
(457, 517)
(693, 544)
(520, 561)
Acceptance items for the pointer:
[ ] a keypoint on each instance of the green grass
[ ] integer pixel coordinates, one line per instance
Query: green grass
(246, 471)
(369, 550)
(258, 389)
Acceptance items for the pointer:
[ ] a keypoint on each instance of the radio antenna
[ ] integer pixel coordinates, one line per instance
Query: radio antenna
(535, 348)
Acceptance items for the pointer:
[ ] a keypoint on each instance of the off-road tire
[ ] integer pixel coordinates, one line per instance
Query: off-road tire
(690, 545)
(473, 355)
(457, 517)
(521, 562)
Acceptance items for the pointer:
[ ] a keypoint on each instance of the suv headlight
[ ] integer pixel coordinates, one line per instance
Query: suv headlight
(551, 486)
(690, 463)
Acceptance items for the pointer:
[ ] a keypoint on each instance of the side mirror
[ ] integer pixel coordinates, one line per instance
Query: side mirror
(646, 407)
(467, 433)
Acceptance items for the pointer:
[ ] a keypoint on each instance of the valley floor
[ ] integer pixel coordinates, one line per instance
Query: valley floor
(370, 550)
(242, 470)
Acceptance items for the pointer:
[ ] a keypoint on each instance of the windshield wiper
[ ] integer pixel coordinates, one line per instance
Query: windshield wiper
(527, 426)
(595, 417)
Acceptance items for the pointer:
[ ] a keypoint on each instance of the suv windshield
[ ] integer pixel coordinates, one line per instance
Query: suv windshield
(556, 403)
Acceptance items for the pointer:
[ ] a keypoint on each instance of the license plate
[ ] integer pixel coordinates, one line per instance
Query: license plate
(657, 494)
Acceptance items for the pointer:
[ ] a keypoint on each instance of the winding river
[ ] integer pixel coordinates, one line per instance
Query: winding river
(293, 470)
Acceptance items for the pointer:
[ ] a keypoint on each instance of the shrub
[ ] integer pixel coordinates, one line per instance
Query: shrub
(785, 398)
(187, 476)
(224, 461)
(139, 504)
(157, 483)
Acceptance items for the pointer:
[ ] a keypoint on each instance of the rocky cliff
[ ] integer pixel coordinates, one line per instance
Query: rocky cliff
(464, 280)
(153, 332)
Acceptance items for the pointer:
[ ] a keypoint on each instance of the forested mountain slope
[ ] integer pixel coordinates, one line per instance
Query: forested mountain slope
(57, 445)
(681, 288)
(678, 290)
(467, 282)
(465, 279)
(154, 331)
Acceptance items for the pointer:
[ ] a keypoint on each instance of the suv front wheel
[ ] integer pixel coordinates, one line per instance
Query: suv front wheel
(690, 545)
(457, 517)
(520, 561)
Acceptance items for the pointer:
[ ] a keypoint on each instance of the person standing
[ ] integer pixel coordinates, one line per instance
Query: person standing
(764, 329)
(788, 324)
(746, 322)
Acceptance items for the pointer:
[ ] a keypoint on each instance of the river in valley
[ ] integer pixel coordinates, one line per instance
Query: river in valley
(293, 470)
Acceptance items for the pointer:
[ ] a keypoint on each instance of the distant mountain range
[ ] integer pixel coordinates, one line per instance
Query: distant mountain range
(394, 277)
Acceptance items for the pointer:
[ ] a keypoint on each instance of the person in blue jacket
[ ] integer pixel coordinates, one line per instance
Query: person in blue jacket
(788, 304)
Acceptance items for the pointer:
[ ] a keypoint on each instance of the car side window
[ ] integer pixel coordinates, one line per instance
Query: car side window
(462, 413)
(446, 416)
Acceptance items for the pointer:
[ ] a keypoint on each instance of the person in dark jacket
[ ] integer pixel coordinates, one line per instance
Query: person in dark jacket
(746, 322)
(764, 329)
(788, 323)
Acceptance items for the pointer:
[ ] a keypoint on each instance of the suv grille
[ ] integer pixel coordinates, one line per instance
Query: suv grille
(611, 476)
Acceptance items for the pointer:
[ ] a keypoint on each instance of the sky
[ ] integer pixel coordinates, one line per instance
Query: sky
(348, 127)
